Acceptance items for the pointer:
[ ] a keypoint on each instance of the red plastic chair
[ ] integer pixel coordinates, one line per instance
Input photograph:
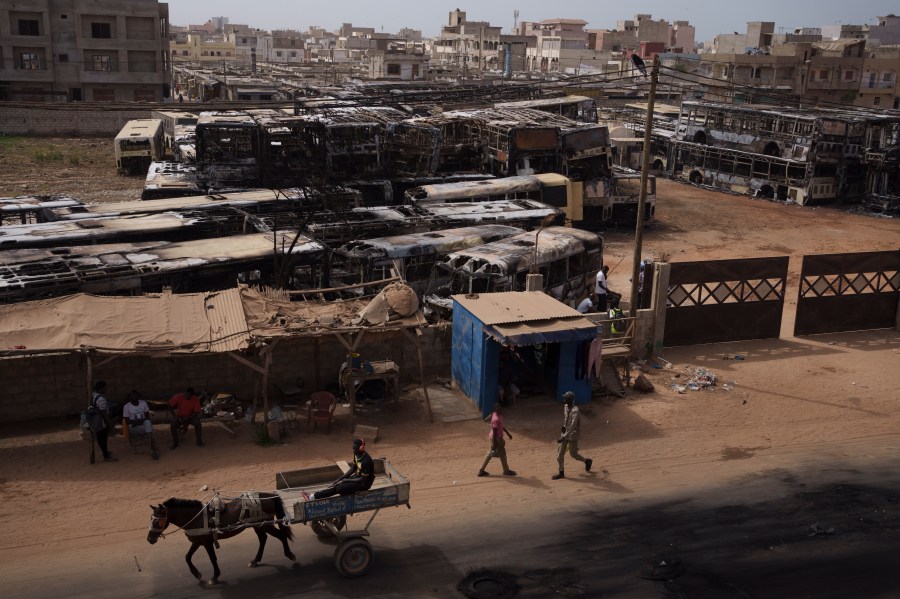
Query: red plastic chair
(321, 409)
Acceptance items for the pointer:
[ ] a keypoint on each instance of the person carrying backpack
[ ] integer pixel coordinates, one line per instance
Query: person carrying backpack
(617, 318)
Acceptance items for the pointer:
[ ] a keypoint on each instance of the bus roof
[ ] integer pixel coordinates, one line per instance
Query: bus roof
(140, 128)
(516, 254)
(432, 242)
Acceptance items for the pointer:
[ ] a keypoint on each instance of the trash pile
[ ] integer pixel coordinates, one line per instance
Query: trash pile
(700, 378)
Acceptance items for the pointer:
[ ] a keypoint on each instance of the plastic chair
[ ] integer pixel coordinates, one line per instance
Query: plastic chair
(321, 409)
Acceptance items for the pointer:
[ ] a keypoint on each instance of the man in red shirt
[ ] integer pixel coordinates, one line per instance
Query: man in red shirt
(498, 444)
(186, 407)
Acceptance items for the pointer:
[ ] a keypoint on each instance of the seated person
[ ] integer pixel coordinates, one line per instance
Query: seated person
(588, 304)
(137, 414)
(186, 407)
(359, 477)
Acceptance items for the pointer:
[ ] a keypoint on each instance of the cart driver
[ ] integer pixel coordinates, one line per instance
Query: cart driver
(358, 478)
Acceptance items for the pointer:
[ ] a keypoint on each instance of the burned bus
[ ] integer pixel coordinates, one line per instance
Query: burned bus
(589, 205)
(412, 257)
(567, 258)
(139, 143)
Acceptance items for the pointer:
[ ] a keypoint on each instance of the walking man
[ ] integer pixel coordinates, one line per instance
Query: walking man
(498, 444)
(568, 440)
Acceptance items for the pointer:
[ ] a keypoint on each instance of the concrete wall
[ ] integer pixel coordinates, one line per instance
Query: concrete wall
(85, 122)
(55, 386)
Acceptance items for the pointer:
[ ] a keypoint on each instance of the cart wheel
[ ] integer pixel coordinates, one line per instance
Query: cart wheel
(322, 531)
(352, 558)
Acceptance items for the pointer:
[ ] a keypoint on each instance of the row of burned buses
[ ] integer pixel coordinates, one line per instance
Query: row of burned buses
(60, 246)
(384, 152)
(808, 156)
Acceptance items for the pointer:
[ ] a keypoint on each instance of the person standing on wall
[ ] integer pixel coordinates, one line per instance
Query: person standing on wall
(498, 444)
(600, 290)
(568, 440)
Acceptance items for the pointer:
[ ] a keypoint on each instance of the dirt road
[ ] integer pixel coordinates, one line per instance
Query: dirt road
(786, 485)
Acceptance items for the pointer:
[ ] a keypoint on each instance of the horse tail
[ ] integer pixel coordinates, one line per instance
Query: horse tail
(281, 515)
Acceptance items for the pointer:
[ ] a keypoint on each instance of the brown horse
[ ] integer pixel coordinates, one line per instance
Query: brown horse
(204, 524)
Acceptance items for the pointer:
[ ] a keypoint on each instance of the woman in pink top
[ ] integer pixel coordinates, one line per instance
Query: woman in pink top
(498, 444)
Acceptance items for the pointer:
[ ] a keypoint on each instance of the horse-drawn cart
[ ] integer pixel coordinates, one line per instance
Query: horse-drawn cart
(205, 523)
(328, 516)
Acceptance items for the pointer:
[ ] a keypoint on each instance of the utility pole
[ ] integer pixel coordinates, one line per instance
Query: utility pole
(642, 199)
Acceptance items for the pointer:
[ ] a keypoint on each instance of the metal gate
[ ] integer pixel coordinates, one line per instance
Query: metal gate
(848, 292)
(725, 300)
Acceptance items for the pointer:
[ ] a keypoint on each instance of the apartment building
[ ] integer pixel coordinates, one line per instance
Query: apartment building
(467, 44)
(84, 50)
(560, 44)
(630, 33)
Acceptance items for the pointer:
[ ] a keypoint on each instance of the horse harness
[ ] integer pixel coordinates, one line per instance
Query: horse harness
(251, 514)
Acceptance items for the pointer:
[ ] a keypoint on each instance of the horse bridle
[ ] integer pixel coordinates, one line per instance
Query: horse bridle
(158, 523)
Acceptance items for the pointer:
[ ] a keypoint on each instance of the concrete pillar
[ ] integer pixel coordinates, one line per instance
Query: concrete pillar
(534, 282)
(659, 301)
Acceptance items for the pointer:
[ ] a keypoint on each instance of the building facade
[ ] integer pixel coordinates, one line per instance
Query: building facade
(84, 50)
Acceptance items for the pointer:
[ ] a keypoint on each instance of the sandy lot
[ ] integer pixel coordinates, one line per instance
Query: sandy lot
(784, 486)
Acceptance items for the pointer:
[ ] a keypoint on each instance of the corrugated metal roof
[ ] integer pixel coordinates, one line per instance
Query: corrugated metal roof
(515, 306)
(546, 331)
(228, 328)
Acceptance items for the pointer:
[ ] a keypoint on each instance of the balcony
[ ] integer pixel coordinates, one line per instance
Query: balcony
(878, 85)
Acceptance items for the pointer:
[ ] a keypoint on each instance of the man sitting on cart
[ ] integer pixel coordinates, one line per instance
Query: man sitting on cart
(358, 478)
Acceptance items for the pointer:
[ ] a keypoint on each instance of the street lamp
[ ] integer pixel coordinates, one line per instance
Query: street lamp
(548, 220)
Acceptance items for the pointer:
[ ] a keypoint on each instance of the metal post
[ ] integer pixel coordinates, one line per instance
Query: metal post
(642, 199)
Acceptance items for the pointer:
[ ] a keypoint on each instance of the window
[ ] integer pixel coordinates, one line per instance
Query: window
(185, 53)
(848, 76)
(887, 77)
(278, 54)
(102, 62)
(393, 69)
(415, 70)
(104, 95)
(63, 58)
(877, 101)
(29, 27)
(294, 54)
(101, 30)
(63, 16)
(823, 75)
(30, 61)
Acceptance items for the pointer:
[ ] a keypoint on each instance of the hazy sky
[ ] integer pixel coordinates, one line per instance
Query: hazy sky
(710, 17)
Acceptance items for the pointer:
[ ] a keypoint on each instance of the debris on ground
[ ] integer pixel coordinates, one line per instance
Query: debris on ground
(642, 384)
(700, 378)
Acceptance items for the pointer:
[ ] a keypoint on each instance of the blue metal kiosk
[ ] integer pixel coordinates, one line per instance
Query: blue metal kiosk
(485, 323)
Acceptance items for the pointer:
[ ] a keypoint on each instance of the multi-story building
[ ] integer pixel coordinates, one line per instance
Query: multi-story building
(560, 44)
(203, 47)
(397, 62)
(467, 44)
(91, 50)
(288, 45)
(629, 34)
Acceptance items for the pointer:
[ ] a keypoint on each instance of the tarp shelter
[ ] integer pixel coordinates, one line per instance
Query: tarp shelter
(232, 321)
(484, 323)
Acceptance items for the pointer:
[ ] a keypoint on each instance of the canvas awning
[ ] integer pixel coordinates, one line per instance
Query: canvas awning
(176, 323)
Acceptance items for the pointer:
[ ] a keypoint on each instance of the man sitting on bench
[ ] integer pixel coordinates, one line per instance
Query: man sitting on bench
(359, 477)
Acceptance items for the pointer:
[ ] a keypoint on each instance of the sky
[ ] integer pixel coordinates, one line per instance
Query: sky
(429, 16)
